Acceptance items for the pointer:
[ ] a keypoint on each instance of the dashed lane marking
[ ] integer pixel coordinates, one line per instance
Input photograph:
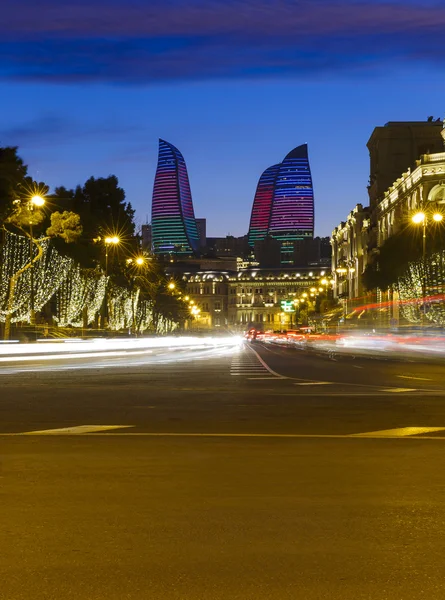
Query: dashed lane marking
(417, 378)
(316, 383)
(398, 390)
(76, 430)
(400, 432)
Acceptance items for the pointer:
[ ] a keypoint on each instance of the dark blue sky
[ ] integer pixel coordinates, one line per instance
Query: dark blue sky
(87, 88)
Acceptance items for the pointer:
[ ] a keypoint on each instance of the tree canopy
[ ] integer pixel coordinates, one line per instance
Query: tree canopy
(397, 252)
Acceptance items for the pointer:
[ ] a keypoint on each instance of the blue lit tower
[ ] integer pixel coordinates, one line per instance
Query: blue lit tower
(284, 203)
(173, 222)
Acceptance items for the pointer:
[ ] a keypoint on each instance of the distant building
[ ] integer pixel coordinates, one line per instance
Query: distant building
(268, 252)
(350, 254)
(395, 147)
(283, 206)
(274, 299)
(270, 299)
(174, 229)
(202, 232)
(228, 246)
(146, 237)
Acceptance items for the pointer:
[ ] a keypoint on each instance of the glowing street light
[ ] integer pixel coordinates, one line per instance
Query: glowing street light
(140, 260)
(437, 217)
(418, 218)
(38, 200)
(112, 240)
(171, 286)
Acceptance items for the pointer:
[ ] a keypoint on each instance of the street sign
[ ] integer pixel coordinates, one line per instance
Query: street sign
(287, 305)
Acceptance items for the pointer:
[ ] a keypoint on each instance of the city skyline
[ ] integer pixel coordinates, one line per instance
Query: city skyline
(229, 83)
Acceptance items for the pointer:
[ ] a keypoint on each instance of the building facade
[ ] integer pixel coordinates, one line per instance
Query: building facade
(283, 206)
(420, 189)
(274, 299)
(349, 243)
(208, 292)
(146, 239)
(356, 242)
(174, 229)
(202, 231)
(394, 148)
(269, 299)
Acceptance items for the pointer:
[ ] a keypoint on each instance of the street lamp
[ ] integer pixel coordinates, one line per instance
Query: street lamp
(109, 241)
(171, 286)
(137, 262)
(35, 201)
(421, 218)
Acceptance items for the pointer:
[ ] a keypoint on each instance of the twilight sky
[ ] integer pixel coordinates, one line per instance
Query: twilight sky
(88, 87)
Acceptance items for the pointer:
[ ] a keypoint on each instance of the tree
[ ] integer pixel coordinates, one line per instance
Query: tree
(103, 210)
(64, 225)
(396, 253)
(12, 179)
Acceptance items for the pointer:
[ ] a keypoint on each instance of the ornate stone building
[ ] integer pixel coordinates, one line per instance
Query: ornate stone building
(271, 299)
(349, 243)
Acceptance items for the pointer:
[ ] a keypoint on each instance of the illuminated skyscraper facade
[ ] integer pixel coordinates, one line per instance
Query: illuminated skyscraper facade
(174, 229)
(283, 207)
(262, 205)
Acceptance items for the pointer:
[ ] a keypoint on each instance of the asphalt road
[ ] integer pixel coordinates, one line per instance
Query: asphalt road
(222, 474)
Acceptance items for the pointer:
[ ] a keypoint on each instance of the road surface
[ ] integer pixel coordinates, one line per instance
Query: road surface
(255, 473)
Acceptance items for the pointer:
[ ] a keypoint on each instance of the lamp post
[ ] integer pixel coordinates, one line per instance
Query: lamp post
(108, 241)
(139, 261)
(34, 202)
(423, 219)
(342, 271)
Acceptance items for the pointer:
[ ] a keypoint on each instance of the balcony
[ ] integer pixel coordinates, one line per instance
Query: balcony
(433, 158)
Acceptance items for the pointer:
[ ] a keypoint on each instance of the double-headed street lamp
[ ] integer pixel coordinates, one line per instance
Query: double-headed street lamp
(424, 219)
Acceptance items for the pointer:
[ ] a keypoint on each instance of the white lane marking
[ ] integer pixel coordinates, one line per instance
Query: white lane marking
(67, 356)
(418, 378)
(400, 432)
(348, 436)
(316, 383)
(76, 430)
(266, 366)
(398, 390)
(268, 377)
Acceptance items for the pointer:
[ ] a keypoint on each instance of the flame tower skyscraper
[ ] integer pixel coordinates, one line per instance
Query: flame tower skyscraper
(283, 207)
(174, 229)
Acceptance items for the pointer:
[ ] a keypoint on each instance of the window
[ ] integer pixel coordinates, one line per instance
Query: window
(217, 305)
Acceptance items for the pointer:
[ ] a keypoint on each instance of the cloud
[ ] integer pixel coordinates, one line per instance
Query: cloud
(50, 128)
(140, 42)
